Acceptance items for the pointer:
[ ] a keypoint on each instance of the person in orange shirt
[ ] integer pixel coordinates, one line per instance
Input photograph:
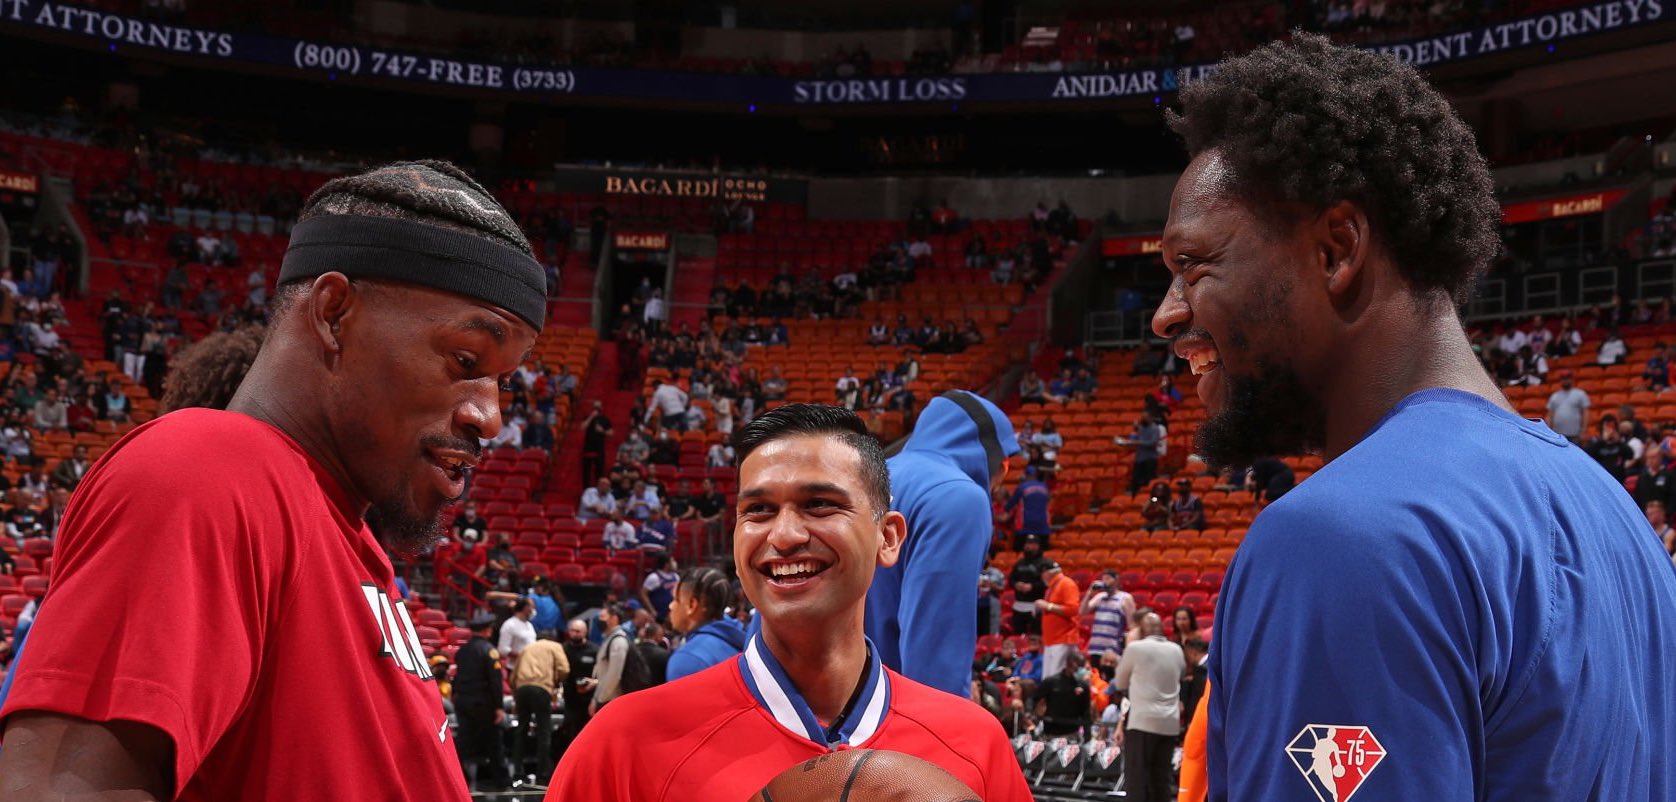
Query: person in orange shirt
(1058, 608)
(1194, 784)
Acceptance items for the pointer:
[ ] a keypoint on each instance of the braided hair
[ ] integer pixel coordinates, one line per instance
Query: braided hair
(711, 587)
(428, 191)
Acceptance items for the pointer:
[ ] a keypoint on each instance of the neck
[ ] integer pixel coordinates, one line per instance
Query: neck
(1406, 350)
(294, 408)
(824, 663)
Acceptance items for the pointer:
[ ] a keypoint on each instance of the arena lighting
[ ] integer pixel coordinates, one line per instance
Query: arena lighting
(752, 108)
(1550, 48)
(111, 47)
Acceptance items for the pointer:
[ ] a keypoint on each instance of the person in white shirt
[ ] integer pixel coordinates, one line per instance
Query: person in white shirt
(1512, 341)
(619, 534)
(517, 633)
(654, 312)
(723, 407)
(848, 389)
(209, 248)
(671, 403)
(1612, 349)
(1149, 674)
(720, 456)
(597, 502)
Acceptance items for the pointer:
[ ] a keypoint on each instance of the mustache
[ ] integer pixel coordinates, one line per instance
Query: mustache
(1200, 334)
(442, 442)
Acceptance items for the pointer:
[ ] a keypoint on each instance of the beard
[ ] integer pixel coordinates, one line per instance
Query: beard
(1270, 414)
(402, 528)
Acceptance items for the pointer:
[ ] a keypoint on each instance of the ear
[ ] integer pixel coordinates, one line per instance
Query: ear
(332, 301)
(893, 530)
(1344, 241)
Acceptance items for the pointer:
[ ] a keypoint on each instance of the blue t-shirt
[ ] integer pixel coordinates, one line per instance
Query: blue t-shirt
(1463, 606)
(547, 613)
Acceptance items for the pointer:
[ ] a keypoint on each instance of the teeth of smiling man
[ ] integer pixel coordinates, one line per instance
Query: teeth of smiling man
(787, 569)
(1202, 361)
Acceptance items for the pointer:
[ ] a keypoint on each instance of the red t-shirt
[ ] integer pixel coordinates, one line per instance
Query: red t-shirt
(723, 733)
(209, 581)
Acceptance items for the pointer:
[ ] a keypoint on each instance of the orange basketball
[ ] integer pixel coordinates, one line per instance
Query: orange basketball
(865, 775)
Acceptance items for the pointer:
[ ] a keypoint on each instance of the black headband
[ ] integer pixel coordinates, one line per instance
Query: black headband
(361, 246)
(987, 435)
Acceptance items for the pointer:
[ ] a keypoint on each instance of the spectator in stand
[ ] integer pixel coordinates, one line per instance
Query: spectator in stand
(699, 612)
(720, 455)
(1031, 390)
(1163, 399)
(542, 669)
(1610, 450)
(1612, 350)
(847, 390)
(944, 220)
(634, 449)
(1037, 500)
(1111, 608)
(654, 313)
(1566, 341)
(710, 506)
(1064, 701)
(595, 429)
(480, 707)
(1529, 367)
(670, 403)
(537, 434)
(657, 592)
(51, 412)
(657, 534)
(1028, 587)
(69, 472)
(1656, 511)
(641, 502)
(1187, 510)
(1269, 479)
(921, 613)
(1062, 388)
(1059, 609)
(1149, 444)
(1568, 409)
(83, 413)
(1656, 375)
(990, 583)
(1653, 479)
(597, 501)
(1150, 675)
(619, 534)
(468, 518)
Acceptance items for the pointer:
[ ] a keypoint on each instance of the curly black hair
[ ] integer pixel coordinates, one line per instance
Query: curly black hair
(1310, 122)
(207, 373)
(427, 191)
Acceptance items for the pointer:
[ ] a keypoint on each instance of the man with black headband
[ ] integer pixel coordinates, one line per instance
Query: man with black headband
(922, 613)
(406, 297)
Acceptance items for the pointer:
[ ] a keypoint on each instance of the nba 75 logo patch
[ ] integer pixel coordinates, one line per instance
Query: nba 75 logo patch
(1335, 760)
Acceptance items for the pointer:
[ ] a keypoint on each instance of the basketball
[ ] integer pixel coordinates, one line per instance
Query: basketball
(865, 775)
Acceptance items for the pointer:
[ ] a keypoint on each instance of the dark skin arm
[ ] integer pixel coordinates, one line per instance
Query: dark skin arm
(49, 756)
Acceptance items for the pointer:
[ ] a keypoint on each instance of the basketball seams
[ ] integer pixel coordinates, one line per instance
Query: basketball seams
(899, 714)
(849, 782)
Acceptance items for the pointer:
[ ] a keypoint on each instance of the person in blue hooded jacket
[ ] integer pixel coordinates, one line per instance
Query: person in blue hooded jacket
(700, 612)
(922, 612)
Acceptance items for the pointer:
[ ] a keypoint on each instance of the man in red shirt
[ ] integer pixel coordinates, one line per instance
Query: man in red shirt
(185, 662)
(814, 521)
(1060, 607)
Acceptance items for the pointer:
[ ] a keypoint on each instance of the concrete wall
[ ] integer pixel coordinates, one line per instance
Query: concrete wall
(896, 45)
(1549, 173)
(1134, 199)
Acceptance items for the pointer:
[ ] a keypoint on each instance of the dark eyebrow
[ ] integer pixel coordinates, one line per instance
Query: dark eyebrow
(488, 327)
(810, 489)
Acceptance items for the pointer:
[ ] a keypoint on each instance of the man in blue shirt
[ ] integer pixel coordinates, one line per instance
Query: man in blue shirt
(1460, 605)
(1036, 497)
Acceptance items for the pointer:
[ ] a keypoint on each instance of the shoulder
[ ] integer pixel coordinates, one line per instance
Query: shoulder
(952, 718)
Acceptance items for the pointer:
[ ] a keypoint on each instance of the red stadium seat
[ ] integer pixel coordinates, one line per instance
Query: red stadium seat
(569, 574)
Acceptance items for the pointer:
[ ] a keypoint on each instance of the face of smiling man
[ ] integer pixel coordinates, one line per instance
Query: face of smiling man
(1243, 312)
(808, 536)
